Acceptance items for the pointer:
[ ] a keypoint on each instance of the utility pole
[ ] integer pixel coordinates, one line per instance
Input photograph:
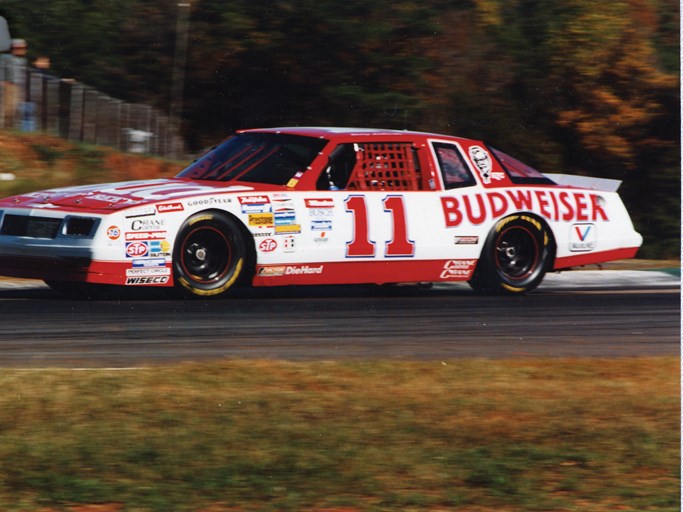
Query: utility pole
(179, 64)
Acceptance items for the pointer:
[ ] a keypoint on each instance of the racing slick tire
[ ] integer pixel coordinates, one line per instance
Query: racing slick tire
(209, 256)
(516, 255)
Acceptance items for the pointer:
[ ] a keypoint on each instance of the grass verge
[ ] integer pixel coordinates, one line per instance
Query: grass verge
(470, 435)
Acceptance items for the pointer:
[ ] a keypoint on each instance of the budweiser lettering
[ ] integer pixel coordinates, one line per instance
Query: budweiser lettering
(553, 205)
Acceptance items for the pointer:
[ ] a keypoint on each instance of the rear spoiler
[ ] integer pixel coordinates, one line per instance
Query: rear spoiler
(604, 184)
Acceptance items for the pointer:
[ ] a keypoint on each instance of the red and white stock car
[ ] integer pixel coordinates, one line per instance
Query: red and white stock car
(301, 206)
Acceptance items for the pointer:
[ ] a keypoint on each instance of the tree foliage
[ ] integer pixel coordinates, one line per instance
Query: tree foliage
(569, 86)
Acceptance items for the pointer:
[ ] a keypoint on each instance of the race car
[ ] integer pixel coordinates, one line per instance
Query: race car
(311, 206)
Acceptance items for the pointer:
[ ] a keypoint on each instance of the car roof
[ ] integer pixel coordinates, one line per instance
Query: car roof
(329, 132)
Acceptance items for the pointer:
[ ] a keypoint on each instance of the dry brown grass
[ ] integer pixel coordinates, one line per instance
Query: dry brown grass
(470, 435)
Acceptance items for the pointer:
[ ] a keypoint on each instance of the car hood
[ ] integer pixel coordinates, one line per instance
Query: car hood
(117, 196)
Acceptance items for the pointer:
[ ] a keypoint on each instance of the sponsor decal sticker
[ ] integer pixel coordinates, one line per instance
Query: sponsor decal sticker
(303, 269)
(209, 201)
(106, 198)
(289, 243)
(152, 262)
(321, 212)
(136, 249)
(141, 212)
(288, 229)
(146, 235)
(281, 270)
(267, 245)
(314, 204)
(113, 232)
(482, 161)
(261, 220)
(583, 237)
(457, 269)
(170, 207)
(484, 164)
(159, 248)
(147, 280)
(147, 224)
(161, 271)
(466, 240)
(272, 271)
(321, 225)
(563, 205)
(285, 219)
(255, 204)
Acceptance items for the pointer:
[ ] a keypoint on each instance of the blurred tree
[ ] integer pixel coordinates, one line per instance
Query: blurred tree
(313, 61)
(79, 36)
(569, 86)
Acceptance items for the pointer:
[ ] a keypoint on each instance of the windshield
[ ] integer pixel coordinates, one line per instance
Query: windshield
(256, 158)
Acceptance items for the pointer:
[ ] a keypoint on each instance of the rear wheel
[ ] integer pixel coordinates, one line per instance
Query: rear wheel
(515, 257)
(209, 255)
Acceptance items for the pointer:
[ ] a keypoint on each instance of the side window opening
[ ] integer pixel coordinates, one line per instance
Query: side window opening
(372, 166)
(339, 167)
(454, 171)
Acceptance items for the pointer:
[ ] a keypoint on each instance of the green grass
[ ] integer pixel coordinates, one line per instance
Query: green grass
(560, 434)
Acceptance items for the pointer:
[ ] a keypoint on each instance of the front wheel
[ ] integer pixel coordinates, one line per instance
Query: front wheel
(515, 257)
(209, 255)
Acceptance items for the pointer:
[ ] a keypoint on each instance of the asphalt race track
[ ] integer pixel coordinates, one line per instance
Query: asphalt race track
(632, 316)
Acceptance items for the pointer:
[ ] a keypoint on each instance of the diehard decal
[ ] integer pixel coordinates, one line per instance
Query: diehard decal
(303, 269)
(281, 270)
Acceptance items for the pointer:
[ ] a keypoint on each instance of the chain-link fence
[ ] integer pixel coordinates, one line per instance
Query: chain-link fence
(31, 100)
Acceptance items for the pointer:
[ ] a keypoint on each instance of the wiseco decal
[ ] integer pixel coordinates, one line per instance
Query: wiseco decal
(147, 280)
(553, 205)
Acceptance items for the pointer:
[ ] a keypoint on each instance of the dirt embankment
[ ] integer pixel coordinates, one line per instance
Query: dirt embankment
(38, 161)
